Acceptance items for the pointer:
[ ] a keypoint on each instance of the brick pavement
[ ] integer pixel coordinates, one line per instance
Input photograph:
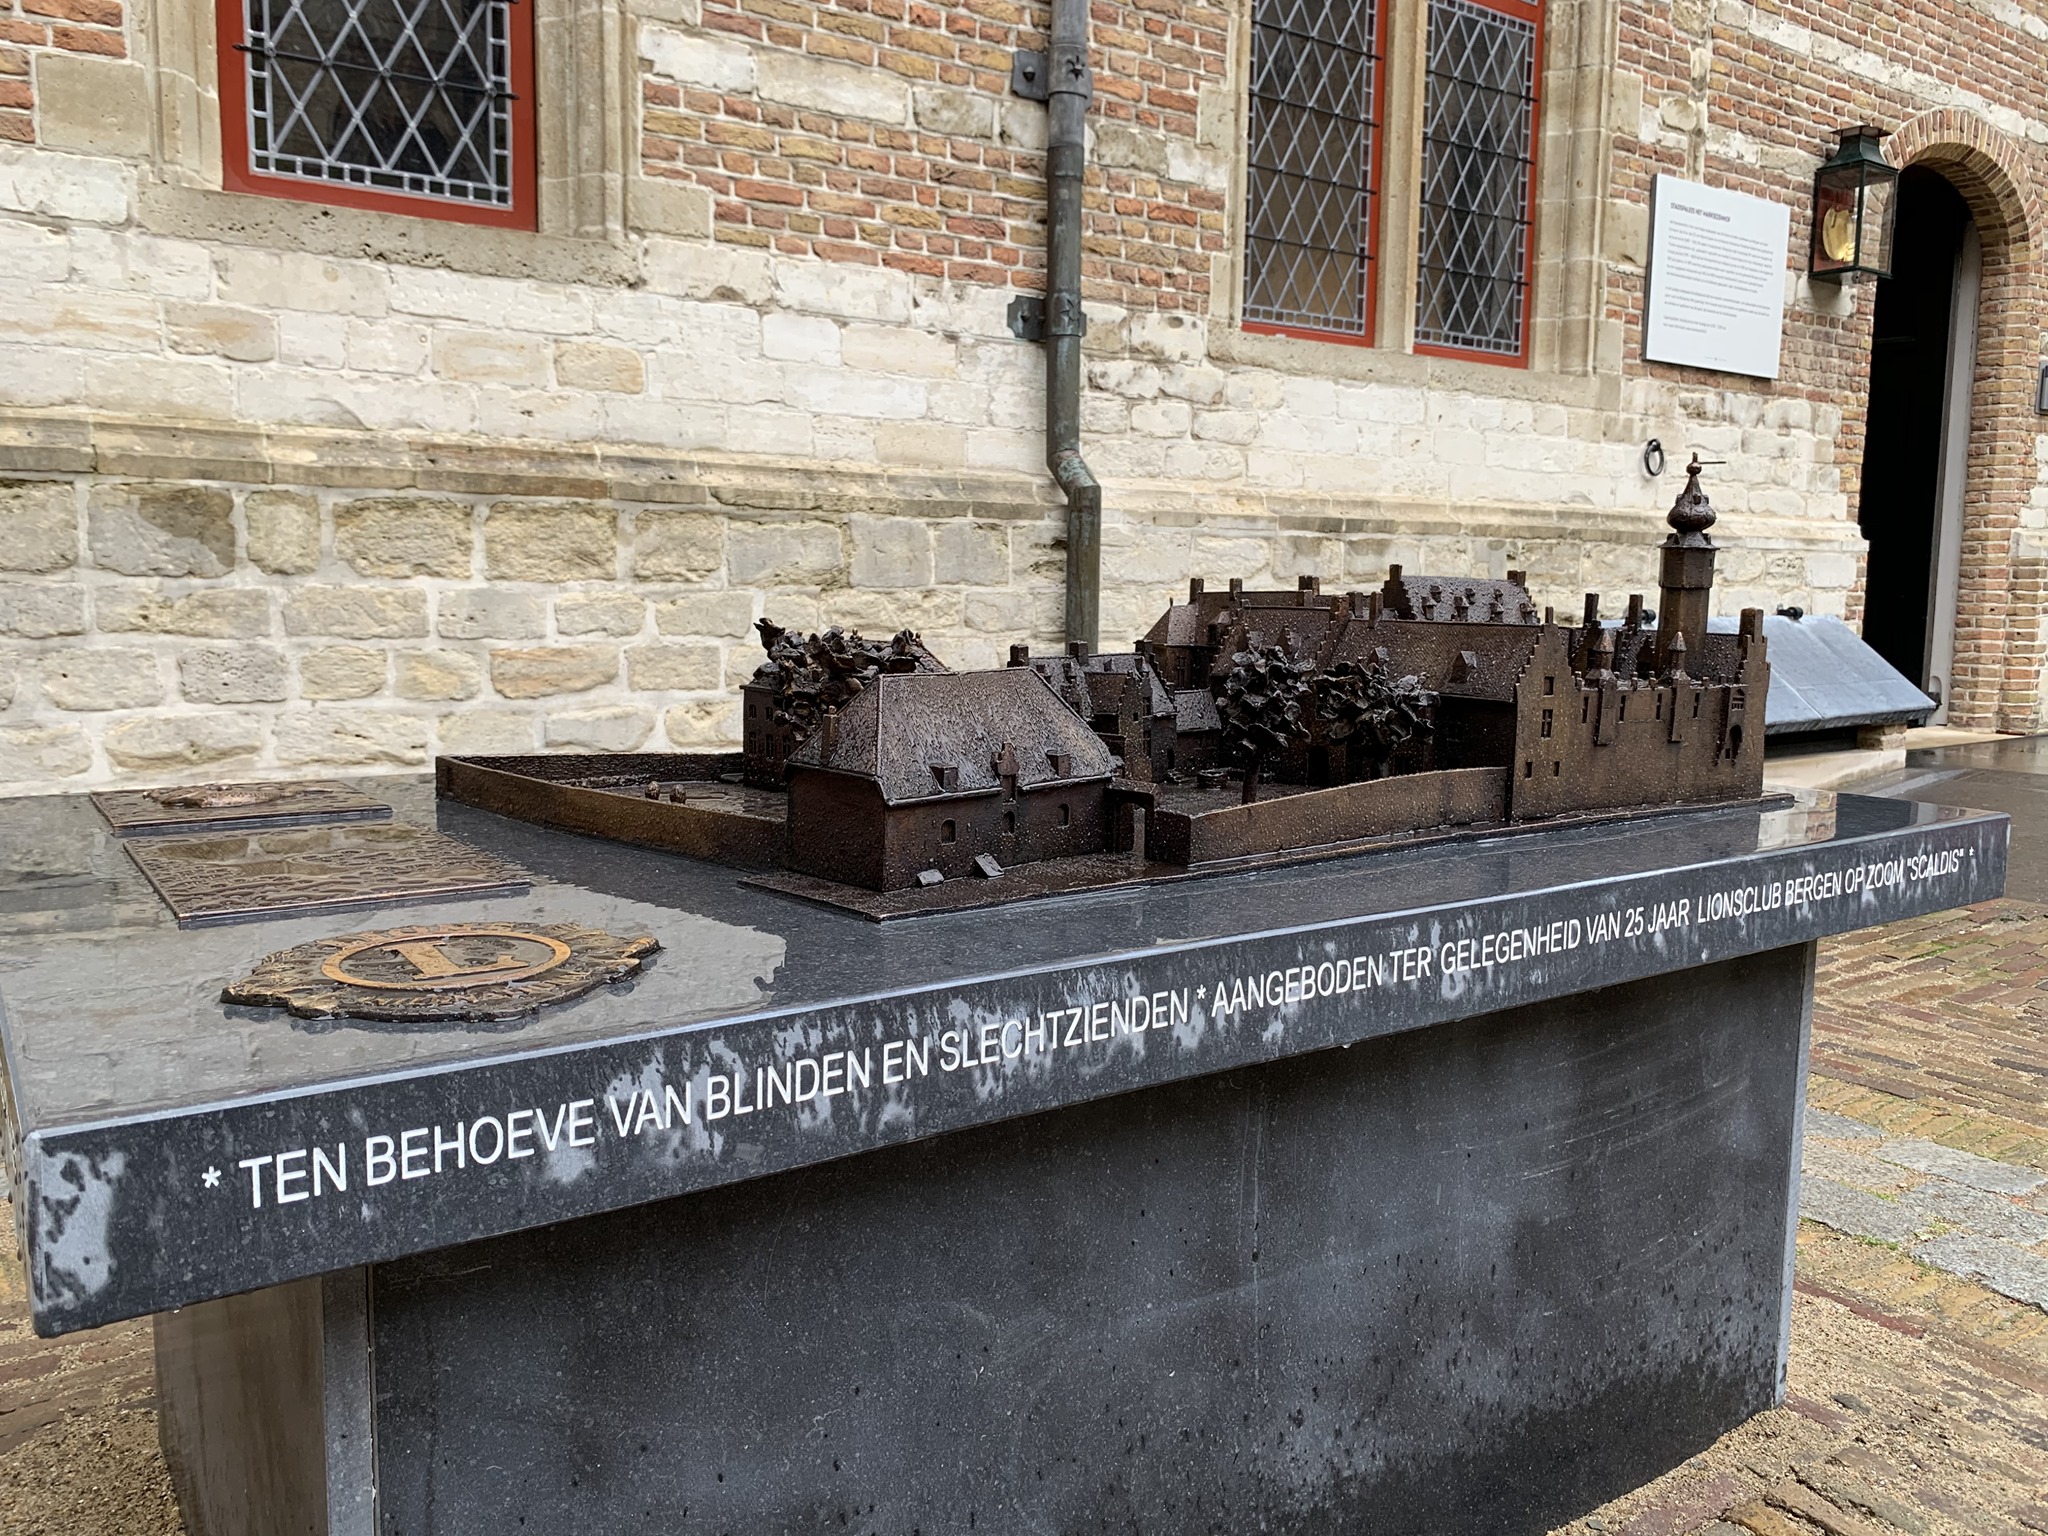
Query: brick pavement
(1919, 1393)
(1963, 999)
(78, 1452)
(1919, 1396)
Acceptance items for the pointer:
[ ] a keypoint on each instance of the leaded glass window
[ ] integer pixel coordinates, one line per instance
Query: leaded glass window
(1478, 160)
(408, 97)
(1313, 165)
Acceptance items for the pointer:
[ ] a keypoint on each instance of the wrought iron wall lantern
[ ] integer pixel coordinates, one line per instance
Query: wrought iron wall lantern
(1855, 204)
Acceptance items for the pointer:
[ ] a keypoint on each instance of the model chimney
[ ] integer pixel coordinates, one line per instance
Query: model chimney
(1602, 669)
(1685, 580)
(1752, 628)
(828, 742)
(1020, 655)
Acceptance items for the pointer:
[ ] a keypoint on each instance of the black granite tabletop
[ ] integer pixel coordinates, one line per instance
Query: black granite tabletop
(151, 1123)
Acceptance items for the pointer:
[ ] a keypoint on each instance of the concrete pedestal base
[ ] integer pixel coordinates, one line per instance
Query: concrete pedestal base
(1477, 1277)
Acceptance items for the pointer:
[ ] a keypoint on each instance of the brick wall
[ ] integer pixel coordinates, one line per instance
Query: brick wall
(883, 134)
(289, 489)
(1745, 96)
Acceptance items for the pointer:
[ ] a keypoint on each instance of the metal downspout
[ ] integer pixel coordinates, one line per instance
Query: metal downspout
(1069, 87)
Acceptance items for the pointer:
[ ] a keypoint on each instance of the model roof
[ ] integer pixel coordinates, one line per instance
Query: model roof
(1458, 599)
(905, 731)
(1186, 624)
(1195, 711)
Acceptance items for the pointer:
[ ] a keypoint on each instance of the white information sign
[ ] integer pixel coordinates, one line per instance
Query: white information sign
(1717, 279)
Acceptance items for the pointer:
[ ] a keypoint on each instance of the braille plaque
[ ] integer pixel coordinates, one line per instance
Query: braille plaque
(220, 807)
(219, 879)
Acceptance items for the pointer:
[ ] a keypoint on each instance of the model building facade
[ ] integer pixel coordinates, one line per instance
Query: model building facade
(924, 771)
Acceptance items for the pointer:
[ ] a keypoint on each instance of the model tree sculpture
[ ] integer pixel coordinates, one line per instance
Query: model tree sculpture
(1263, 701)
(1371, 713)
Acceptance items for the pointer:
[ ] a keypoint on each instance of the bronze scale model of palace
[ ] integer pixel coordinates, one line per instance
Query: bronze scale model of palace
(1245, 727)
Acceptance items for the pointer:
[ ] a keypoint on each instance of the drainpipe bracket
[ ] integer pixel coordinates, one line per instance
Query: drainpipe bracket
(1065, 316)
(1027, 317)
(1032, 73)
(1029, 75)
(1030, 320)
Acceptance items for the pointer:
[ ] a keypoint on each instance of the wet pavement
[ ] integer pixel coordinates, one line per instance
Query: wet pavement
(1918, 1382)
(2009, 776)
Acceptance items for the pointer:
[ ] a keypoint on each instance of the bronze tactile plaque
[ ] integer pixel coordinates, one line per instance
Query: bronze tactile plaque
(442, 971)
(219, 807)
(289, 870)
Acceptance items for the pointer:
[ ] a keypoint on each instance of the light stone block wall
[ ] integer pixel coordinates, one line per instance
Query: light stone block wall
(270, 512)
(286, 493)
(173, 628)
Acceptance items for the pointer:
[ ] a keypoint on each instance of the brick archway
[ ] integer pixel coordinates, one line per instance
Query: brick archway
(2002, 594)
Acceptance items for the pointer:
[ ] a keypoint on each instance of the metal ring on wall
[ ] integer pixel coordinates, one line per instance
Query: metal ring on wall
(1653, 458)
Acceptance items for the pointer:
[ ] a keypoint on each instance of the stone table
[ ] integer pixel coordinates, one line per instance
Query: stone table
(1443, 1189)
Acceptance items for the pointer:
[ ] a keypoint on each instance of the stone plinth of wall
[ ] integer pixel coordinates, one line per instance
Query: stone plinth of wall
(191, 603)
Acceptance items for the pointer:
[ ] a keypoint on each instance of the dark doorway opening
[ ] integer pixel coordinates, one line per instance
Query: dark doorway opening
(1922, 339)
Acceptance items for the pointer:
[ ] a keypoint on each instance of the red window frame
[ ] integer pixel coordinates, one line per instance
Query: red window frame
(237, 174)
(1374, 191)
(1530, 11)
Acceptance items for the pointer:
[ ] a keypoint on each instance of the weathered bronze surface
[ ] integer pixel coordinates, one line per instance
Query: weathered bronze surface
(1431, 705)
(226, 877)
(934, 770)
(697, 805)
(1090, 873)
(807, 675)
(1196, 826)
(219, 807)
(452, 972)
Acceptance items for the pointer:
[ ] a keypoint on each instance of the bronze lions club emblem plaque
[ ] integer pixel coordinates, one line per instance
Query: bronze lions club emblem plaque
(441, 971)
